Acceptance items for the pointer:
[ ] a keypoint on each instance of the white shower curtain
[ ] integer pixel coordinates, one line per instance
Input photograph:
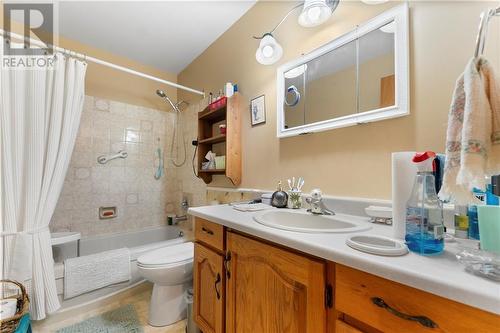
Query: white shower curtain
(40, 116)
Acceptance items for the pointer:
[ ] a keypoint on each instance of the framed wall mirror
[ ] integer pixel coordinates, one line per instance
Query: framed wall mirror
(357, 78)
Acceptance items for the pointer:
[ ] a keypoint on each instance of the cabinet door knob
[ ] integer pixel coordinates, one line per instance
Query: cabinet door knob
(217, 281)
(208, 231)
(422, 320)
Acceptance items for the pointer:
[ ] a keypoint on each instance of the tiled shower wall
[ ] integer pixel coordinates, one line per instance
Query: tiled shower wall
(129, 184)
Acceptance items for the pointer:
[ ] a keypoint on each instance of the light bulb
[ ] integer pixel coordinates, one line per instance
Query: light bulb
(314, 13)
(267, 51)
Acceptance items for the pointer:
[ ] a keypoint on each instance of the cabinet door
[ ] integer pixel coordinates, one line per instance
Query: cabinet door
(342, 327)
(272, 290)
(209, 290)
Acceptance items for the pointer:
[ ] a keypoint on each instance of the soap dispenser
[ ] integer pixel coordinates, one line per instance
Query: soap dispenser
(424, 210)
(279, 198)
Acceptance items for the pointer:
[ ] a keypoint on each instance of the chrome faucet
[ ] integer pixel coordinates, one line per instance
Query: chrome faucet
(184, 207)
(317, 205)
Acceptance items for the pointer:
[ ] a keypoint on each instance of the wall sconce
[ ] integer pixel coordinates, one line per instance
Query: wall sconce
(269, 50)
(314, 13)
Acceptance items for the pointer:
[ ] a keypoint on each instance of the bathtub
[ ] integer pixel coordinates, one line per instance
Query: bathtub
(139, 242)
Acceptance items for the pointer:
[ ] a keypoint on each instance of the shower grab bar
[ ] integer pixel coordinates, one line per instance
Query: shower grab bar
(105, 159)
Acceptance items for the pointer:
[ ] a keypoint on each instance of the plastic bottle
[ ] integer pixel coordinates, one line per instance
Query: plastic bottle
(472, 213)
(491, 198)
(461, 222)
(424, 210)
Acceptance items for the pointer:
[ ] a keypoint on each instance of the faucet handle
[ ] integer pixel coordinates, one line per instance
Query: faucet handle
(316, 194)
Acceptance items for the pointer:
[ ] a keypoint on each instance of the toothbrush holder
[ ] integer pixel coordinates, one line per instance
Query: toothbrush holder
(294, 199)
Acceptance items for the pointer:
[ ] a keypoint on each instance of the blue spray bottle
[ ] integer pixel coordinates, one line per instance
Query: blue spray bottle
(424, 210)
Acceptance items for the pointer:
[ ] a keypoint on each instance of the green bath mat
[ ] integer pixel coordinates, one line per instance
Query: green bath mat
(121, 320)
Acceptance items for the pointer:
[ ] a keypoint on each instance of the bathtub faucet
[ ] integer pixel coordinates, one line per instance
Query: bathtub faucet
(178, 219)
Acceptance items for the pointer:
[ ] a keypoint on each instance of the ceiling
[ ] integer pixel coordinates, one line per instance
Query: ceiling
(167, 35)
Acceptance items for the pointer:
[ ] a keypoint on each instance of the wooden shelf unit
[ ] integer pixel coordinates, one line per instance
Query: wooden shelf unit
(208, 136)
(214, 139)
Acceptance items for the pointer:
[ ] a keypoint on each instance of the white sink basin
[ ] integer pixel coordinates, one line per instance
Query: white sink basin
(302, 221)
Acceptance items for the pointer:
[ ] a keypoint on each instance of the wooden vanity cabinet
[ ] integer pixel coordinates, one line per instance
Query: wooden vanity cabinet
(273, 290)
(243, 285)
(374, 304)
(246, 285)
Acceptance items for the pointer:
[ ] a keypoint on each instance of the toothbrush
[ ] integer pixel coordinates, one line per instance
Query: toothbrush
(290, 184)
(293, 183)
(300, 184)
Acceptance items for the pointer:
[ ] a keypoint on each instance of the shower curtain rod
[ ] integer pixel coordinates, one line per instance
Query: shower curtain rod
(11, 35)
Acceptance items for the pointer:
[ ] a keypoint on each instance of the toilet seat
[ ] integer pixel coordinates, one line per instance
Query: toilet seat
(168, 256)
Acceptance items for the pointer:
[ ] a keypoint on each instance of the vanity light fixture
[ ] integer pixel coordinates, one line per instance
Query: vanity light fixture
(314, 12)
(269, 51)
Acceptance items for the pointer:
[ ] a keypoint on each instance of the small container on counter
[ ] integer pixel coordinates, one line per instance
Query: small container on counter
(266, 198)
(294, 199)
(461, 222)
(473, 231)
(279, 198)
(489, 227)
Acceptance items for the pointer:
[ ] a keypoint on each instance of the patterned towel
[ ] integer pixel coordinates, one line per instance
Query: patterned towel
(473, 136)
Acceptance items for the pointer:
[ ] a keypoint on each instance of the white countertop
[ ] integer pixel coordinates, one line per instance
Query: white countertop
(441, 275)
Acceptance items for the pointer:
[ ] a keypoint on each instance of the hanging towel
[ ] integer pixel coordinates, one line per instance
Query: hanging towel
(95, 271)
(473, 136)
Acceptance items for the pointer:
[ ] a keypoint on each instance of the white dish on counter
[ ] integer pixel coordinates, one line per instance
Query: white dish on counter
(379, 245)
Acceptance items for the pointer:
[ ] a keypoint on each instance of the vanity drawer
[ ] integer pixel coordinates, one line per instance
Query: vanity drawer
(358, 293)
(212, 234)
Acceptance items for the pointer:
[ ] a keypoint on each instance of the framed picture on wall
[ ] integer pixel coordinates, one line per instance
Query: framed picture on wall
(258, 110)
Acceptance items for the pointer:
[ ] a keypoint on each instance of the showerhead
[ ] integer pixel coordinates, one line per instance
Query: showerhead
(162, 94)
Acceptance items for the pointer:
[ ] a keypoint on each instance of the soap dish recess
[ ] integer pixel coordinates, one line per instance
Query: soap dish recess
(379, 245)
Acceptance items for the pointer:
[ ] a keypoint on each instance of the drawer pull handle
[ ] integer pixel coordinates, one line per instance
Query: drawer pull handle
(422, 320)
(227, 259)
(217, 281)
(208, 231)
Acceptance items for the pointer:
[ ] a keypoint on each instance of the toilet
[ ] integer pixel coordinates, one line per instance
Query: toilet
(170, 269)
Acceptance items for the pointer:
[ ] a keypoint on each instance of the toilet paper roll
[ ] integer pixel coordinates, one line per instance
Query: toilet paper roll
(8, 308)
(403, 177)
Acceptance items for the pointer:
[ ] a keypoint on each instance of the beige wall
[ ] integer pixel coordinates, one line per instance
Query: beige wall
(112, 84)
(352, 161)
(108, 83)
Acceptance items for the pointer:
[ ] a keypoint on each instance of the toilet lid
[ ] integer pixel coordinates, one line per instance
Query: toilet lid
(168, 255)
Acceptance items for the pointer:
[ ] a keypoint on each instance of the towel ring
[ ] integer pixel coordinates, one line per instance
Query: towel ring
(294, 92)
